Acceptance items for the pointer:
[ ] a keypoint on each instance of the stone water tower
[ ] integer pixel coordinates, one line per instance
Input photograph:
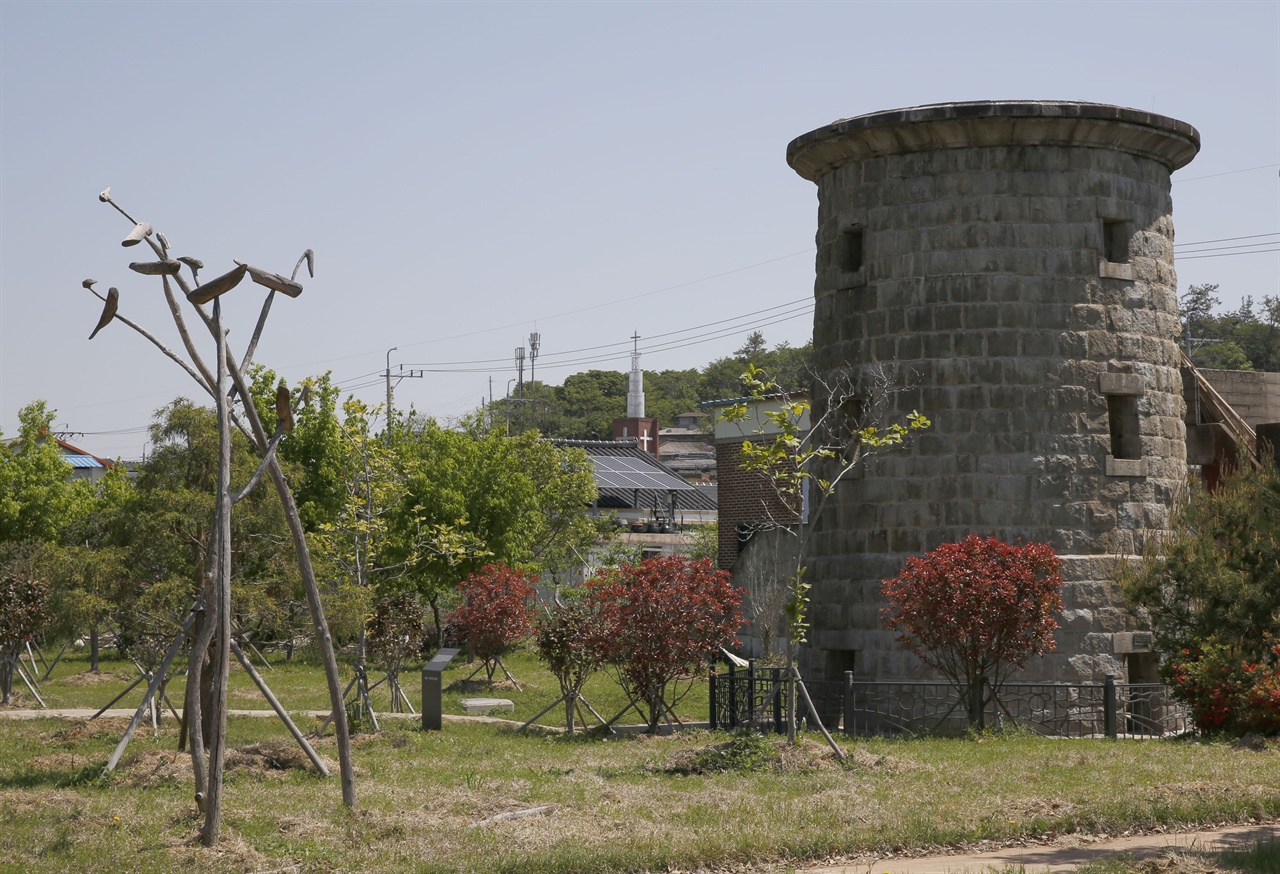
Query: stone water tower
(1013, 261)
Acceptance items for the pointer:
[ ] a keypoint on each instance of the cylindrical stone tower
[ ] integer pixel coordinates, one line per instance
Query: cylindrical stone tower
(1012, 262)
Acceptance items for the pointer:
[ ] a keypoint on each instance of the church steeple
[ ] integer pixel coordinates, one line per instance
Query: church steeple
(635, 425)
(635, 387)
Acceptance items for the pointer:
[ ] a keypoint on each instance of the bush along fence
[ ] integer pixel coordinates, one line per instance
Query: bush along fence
(755, 697)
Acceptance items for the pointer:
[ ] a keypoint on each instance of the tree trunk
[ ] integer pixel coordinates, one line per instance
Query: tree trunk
(791, 689)
(434, 602)
(93, 648)
(6, 681)
(323, 638)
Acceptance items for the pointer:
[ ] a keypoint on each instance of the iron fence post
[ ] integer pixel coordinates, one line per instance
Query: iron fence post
(848, 703)
(733, 697)
(981, 704)
(711, 695)
(751, 694)
(1109, 706)
(774, 682)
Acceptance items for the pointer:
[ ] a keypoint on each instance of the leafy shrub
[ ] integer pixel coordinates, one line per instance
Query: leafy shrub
(662, 618)
(495, 612)
(1228, 694)
(572, 640)
(746, 752)
(23, 601)
(396, 630)
(976, 610)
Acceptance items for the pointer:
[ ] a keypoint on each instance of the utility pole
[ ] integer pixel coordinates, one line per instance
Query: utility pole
(388, 376)
(403, 374)
(520, 370)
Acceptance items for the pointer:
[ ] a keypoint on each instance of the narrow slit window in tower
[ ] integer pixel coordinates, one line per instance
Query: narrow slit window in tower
(1122, 414)
(1115, 240)
(851, 250)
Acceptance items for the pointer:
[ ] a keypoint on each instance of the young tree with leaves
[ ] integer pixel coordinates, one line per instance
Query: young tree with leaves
(663, 618)
(976, 611)
(803, 467)
(573, 640)
(37, 494)
(397, 631)
(24, 599)
(495, 613)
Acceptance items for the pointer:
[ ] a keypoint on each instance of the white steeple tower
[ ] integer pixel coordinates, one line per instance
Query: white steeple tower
(635, 388)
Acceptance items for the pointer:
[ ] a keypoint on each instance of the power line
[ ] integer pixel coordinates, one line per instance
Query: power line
(1228, 254)
(1228, 173)
(791, 303)
(1231, 239)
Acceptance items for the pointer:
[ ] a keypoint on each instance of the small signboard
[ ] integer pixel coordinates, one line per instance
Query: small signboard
(433, 689)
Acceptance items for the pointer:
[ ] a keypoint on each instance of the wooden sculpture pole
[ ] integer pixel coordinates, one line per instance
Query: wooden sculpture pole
(206, 702)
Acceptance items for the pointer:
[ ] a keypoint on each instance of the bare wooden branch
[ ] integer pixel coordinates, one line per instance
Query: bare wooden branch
(262, 467)
(181, 325)
(323, 637)
(154, 682)
(280, 711)
(168, 353)
(310, 258)
(257, 331)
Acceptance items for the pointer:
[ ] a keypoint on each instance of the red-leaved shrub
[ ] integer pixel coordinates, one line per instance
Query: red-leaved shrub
(976, 610)
(663, 617)
(495, 613)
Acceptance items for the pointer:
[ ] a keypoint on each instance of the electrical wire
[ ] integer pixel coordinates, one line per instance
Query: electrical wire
(623, 343)
(1227, 254)
(1228, 173)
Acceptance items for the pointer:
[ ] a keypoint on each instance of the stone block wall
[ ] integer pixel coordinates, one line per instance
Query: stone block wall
(1014, 261)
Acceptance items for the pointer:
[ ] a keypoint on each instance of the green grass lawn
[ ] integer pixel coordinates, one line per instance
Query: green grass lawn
(628, 804)
(300, 686)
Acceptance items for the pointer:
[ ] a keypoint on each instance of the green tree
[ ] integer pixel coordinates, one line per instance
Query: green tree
(37, 494)
(167, 525)
(1217, 579)
(1197, 308)
(1247, 339)
(520, 501)
(89, 571)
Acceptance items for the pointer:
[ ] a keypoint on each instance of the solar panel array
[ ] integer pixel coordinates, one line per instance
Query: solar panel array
(632, 473)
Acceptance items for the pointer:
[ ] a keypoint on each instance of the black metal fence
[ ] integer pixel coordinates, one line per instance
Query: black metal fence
(757, 697)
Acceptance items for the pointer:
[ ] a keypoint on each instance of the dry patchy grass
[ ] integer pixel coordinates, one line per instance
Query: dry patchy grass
(623, 804)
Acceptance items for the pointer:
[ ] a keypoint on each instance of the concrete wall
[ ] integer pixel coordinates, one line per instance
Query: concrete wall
(1255, 396)
(1016, 261)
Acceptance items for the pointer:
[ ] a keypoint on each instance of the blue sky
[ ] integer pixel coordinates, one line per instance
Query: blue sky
(468, 173)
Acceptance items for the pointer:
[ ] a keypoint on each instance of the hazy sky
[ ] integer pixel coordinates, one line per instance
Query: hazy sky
(470, 172)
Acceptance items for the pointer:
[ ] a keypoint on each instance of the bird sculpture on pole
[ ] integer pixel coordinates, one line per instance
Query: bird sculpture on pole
(108, 309)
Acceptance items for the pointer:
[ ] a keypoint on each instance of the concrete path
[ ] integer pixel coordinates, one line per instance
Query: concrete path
(1066, 854)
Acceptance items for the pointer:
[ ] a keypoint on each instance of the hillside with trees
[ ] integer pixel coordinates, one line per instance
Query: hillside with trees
(585, 406)
(1246, 339)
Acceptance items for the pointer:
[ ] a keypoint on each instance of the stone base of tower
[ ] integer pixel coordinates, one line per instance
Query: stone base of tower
(1095, 637)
